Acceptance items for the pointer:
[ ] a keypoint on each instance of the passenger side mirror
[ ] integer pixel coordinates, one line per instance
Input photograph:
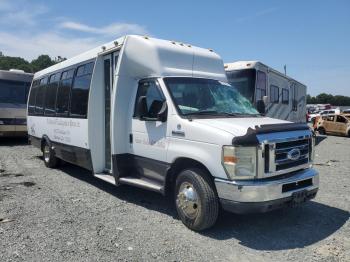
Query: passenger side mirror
(158, 110)
(163, 112)
(142, 107)
(260, 106)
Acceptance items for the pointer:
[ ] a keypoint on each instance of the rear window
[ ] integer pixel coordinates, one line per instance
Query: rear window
(14, 92)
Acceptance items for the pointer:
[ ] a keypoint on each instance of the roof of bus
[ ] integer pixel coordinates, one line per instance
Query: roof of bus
(142, 56)
(16, 75)
(238, 65)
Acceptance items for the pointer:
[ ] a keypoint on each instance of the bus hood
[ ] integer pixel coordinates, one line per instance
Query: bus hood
(239, 126)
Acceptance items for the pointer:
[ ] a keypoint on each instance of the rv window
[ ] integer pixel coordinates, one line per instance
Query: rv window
(261, 86)
(50, 97)
(152, 93)
(80, 91)
(63, 93)
(274, 94)
(285, 96)
(40, 97)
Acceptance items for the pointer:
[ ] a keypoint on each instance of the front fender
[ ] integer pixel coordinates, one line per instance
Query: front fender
(206, 153)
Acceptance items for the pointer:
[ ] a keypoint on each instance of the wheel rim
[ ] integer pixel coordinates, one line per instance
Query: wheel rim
(187, 200)
(46, 153)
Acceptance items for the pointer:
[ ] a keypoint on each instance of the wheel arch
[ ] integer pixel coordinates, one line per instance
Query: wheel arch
(179, 165)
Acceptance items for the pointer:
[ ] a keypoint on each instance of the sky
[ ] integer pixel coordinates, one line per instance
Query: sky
(312, 38)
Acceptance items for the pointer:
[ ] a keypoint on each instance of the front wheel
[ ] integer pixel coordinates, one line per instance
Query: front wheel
(49, 157)
(196, 200)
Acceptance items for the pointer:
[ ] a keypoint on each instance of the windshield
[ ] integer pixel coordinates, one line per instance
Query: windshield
(13, 92)
(195, 96)
(244, 81)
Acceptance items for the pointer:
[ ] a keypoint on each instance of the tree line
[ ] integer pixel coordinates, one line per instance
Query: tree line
(44, 61)
(40, 63)
(324, 98)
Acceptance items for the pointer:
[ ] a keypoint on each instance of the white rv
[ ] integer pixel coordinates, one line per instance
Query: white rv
(284, 97)
(14, 88)
(159, 115)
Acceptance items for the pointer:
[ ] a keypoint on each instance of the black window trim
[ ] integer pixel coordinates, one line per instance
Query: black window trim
(61, 71)
(286, 102)
(278, 94)
(70, 115)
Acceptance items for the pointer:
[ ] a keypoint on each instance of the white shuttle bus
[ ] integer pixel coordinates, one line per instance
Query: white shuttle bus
(160, 115)
(14, 88)
(284, 97)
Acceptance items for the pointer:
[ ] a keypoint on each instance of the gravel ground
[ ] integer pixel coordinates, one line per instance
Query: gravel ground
(68, 215)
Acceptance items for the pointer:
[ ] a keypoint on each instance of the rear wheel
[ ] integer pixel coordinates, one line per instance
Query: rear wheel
(49, 157)
(196, 200)
(321, 131)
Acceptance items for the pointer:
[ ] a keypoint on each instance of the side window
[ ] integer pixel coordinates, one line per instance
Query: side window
(40, 97)
(285, 96)
(80, 90)
(151, 91)
(330, 118)
(63, 93)
(341, 119)
(261, 86)
(32, 96)
(274, 94)
(50, 97)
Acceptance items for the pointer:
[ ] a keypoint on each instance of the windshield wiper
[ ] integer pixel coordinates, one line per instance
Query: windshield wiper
(218, 113)
(203, 112)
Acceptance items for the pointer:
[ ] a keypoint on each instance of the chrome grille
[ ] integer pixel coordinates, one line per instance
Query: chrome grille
(283, 160)
(287, 156)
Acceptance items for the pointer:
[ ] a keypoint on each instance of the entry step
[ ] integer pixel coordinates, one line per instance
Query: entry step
(106, 177)
(142, 183)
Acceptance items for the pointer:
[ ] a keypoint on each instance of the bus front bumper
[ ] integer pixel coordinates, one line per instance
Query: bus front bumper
(256, 196)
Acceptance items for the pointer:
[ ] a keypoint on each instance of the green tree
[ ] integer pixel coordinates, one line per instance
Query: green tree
(8, 62)
(42, 62)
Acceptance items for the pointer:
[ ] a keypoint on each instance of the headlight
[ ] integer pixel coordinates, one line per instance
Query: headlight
(239, 162)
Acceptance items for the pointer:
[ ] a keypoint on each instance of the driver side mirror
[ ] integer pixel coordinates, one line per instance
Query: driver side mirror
(260, 106)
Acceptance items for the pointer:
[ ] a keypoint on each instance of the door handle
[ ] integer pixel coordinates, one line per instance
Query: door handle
(177, 133)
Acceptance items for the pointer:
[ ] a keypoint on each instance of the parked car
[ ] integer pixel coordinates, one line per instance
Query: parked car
(334, 124)
(346, 111)
(312, 117)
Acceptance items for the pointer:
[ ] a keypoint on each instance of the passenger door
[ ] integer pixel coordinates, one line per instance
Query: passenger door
(341, 125)
(148, 139)
(329, 123)
(109, 65)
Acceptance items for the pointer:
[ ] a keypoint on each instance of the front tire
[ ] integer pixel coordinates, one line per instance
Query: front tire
(49, 157)
(196, 200)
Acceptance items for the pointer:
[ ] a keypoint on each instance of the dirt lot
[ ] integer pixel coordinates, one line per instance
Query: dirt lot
(67, 215)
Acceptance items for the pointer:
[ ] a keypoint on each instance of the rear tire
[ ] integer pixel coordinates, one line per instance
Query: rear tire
(49, 157)
(321, 131)
(196, 200)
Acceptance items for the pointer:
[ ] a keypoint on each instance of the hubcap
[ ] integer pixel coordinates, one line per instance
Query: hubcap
(46, 153)
(187, 200)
